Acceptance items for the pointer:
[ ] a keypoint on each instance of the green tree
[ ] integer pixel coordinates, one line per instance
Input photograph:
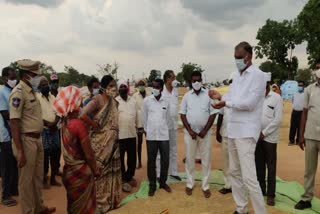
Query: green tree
(109, 69)
(279, 72)
(277, 40)
(180, 77)
(187, 70)
(308, 21)
(304, 75)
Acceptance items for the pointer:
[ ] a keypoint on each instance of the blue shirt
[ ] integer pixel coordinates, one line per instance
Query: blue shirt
(4, 106)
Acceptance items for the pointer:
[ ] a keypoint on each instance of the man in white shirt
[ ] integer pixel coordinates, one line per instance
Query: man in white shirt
(171, 94)
(245, 98)
(266, 151)
(139, 96)
(297, 102)
(128, 121)
(156, 116)
(197, 116)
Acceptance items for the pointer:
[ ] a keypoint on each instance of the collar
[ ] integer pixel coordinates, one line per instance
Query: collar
(8, 86)
(193, 92)
(248, 70)
(271, 93)
(161, 98)
(26, 86)
(317, 84)
(119, 98)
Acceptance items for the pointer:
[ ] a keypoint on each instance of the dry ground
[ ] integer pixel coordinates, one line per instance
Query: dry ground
(290, 168)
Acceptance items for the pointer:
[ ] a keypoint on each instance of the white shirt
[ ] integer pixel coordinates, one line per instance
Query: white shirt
(225, 112)
(245, 98)
(128, 118)
(172, 97)
(298, 100)
(139, 100)
(271, 117)
(156, 116)
(197, 108)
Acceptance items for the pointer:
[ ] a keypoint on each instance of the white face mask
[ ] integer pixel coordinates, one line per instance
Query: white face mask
(34, 82)
(240, 64)
(12, 83)
(155, 92)
(197, 86)
(95, 91)
(174, 83)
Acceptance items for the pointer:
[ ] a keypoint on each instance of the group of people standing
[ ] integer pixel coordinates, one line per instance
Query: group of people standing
(98, 130)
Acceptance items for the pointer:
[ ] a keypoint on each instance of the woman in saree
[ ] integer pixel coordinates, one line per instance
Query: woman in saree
(80, 164)
(104, 134)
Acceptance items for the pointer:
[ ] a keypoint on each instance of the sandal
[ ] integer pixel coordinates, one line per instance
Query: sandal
(188, 191)
(207, 193)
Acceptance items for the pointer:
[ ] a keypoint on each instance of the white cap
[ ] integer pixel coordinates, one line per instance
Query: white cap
(267, 77)
(121, 82)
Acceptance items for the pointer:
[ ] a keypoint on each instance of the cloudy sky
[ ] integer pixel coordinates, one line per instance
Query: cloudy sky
(139, 34)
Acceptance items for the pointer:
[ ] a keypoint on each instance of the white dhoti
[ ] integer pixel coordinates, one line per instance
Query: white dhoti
(243, 175)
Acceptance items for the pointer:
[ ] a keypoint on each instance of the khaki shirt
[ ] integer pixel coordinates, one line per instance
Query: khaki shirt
(47, 107)
(25, 106)
(312, 103)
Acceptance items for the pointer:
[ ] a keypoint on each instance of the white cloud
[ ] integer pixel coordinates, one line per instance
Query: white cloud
(140, 35)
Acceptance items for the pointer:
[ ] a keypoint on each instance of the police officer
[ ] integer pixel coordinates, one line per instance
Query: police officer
(26, 127)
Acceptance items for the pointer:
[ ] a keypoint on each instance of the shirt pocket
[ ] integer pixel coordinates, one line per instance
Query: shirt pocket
(269, 111)
(31, 105)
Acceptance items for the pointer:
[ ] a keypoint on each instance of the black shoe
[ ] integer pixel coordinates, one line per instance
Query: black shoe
(165, 187)
(236, 212)
(291, 144)
(224, 191)
(301, 205)
(177, 177)
(151, 192)
(9, 202)
(270, 201)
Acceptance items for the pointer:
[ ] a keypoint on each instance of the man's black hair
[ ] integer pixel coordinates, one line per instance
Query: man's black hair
(167, 75)
(6, 70)
(92, 81)
(246, 46)
(160, 81)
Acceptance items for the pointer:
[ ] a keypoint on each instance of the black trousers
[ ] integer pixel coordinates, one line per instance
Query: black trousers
(152, 150)
(295, 126)
(128, 146)
(266, 158)
(140, 140)
(9, 171)
(52, 151)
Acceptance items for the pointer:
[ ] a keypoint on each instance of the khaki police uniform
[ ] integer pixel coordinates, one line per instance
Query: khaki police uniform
(25, 106)
(312, 138)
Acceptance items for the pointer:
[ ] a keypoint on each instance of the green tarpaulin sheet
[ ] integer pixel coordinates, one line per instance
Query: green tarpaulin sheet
(288, 193)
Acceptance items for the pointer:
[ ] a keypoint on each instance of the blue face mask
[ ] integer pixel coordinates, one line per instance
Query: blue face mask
(300, 89)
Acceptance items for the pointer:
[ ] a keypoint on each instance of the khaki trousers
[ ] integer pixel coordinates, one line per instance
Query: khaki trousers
(311, 164)
(31, 175)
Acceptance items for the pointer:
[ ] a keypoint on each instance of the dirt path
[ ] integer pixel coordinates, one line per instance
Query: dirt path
(290, 168)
